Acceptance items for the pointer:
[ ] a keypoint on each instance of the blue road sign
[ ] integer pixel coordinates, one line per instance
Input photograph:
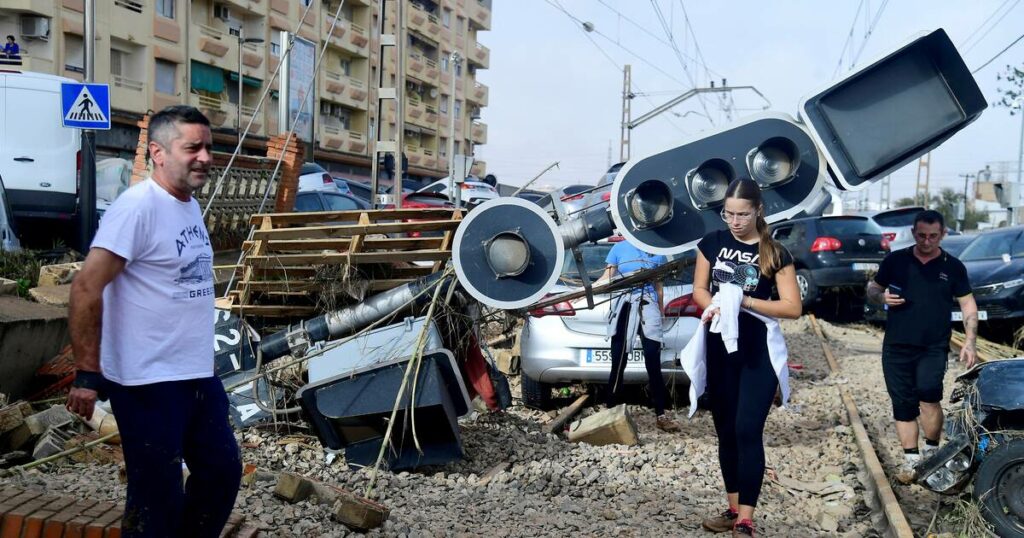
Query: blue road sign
(85, 106)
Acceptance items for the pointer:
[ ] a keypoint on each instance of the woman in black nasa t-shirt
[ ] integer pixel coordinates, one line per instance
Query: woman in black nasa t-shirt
(742, 385)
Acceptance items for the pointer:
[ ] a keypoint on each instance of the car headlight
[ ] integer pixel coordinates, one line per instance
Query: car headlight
(959, 462)
(942, 480)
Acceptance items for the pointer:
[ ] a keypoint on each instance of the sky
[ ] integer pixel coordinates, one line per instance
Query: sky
(556, 90)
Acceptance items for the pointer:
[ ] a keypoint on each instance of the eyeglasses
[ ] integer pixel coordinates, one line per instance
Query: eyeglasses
(738, 217)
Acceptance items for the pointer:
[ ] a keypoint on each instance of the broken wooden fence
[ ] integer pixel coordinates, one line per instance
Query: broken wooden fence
(295, 260)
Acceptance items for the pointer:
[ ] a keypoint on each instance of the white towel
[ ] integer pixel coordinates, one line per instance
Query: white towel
(693, 358)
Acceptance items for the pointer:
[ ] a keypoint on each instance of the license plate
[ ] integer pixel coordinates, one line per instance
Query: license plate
(592, 357)
(959, 316)
(865, 267)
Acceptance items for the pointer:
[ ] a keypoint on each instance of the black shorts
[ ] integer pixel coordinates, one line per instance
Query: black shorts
(913, 374)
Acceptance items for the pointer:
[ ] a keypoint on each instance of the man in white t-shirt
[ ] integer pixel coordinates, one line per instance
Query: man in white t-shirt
(142, 325)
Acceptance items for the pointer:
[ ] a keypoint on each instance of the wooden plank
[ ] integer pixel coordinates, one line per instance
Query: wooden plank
(259, 249)
(446, 243)
(559, 423)
(384, 243)
(309, 285)
(313, 232)
(377, 215)
(273, 311)
(357, 241)
(350, 258)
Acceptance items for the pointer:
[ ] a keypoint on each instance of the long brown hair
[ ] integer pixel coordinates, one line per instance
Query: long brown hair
(769, 252)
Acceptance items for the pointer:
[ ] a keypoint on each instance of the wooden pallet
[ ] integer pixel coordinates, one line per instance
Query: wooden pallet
(281, 274)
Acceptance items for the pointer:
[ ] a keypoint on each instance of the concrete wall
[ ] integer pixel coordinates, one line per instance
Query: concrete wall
(30, 334)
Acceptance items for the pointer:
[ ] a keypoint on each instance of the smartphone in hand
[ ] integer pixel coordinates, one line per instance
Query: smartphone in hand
(895, 290)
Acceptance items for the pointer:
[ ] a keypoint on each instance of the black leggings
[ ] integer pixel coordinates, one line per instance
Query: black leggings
(742, 387)
(652, 360)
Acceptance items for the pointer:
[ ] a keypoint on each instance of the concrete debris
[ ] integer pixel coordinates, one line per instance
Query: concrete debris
(8, 286)
(56, 416)
(59, 296)
(51, 442)
(611, 426)
(13, 415)
(348, 508)
(58, 274)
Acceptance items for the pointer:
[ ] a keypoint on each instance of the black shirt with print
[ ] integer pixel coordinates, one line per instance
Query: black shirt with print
(930, 291)
(737, 262)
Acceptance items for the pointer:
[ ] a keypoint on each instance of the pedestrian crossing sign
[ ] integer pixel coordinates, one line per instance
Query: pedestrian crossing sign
(85, 106)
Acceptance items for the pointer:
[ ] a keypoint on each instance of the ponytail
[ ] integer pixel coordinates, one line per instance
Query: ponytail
(768, 250)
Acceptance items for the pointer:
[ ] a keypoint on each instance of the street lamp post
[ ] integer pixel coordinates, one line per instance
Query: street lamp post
(456, 195)
(238, 109)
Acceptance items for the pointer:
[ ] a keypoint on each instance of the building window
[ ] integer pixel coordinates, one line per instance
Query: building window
(458, 69)
(456, 148)
(444, 62)
(446, 18)
(275, 43)
(165, 8)
(443, 105)
(117, 59)
(74, 53)
(346, 66)
(458, 109)
(166, 77)
(442, 147)
(460, 24)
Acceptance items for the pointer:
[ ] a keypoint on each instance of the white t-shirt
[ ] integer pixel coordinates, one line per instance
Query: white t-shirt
(158, 315)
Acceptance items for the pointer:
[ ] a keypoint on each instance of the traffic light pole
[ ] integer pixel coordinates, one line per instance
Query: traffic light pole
(87, 189)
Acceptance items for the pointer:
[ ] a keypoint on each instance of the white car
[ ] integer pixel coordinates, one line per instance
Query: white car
(566, 343)
(473, 192)
(313, 177)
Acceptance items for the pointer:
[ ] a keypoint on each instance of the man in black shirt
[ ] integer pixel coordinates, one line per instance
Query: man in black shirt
(918, 285)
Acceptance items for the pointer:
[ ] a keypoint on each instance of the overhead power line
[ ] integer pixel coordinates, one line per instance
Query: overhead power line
(1000, 53)
(988, 30)
(679, 55)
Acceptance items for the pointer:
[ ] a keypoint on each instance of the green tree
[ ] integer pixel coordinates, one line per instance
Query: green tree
(946, 202)
(1010, 97)
(905, 202)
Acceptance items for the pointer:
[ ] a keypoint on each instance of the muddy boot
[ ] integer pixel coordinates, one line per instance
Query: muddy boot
(743, 528)
(907, 472)
(720, 523)
(666, 424)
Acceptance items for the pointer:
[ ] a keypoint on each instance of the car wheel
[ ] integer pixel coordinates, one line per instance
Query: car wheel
(808, 289)
(535, 394)
(999, 488)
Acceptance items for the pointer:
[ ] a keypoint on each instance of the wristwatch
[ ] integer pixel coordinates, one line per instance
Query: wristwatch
(85, 379)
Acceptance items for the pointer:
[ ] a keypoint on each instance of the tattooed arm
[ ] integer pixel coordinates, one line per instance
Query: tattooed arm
(970, 312)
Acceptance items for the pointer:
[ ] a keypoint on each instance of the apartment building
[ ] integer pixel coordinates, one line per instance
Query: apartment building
(156, 53)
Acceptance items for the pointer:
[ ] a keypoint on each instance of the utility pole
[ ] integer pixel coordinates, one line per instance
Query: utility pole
(1020, 162)
(921, 192)
(627, 98)
(961, 210)
(454, 59)
(885, 194)
(87, 191)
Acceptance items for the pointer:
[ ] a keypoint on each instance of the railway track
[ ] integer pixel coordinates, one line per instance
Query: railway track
(895, 520)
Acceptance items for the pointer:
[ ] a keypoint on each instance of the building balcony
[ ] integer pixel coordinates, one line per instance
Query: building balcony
(37, 64)
(129, 94)
(420, 156)
(415, 110)
(214, 46)
(42, 8)
(220, 113)
(480, 56)
(333, 85)
(423, 22)
(415, 65)
(337, 36)
(431, 117)
(433, 71)
(357, 41)
(478, 93)
(134, 20)
(479, 133)
(356, 95)
(257, 126)
(337, 138)
(479, 14)
(255, 6)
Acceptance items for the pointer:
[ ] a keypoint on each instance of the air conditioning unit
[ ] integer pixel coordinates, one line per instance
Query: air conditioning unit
(35, 27)
(220, 11)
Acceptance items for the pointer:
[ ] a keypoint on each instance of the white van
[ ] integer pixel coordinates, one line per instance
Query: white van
(39, 158)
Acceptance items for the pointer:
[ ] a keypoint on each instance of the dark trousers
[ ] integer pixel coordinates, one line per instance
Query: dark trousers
(161, 425)
(652, 360)
(742, 387)
(913, 374)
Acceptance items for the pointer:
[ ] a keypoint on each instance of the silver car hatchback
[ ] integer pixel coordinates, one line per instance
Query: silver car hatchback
(567, 342)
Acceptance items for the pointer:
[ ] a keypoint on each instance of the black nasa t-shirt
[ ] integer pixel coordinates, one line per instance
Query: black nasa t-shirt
(930, 290)
(737, 262)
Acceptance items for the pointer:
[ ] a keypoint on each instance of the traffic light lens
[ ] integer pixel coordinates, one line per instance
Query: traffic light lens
(708, 182)
(773, 162)
(508, 254)
(650, 204)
